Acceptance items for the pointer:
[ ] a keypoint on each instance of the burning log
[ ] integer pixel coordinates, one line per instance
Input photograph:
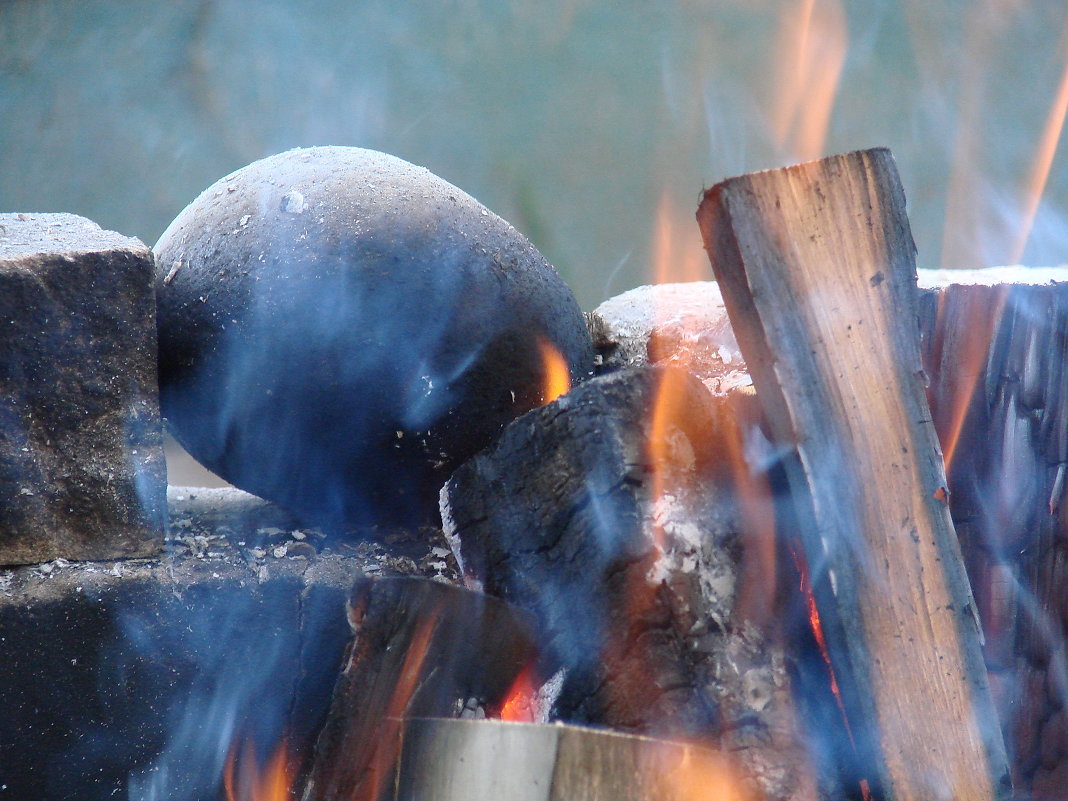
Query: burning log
(816, 267)
(488, 760)
(420, 648)
(614, 515)
(82, 474)
(996, 348)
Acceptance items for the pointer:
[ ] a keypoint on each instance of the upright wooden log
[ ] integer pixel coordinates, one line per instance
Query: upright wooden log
(816, 265)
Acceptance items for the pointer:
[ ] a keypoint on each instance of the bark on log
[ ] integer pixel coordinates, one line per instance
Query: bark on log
(420, 648)
(652, 578)
(816, 267)
(996, 349)
(486, 760)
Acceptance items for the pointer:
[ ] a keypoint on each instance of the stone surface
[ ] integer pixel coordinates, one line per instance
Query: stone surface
(680, 325)
(82, 472)
(339, 329)
(134, 678)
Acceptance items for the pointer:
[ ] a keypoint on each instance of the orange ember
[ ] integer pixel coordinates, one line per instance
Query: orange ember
(518, 704)
(245, 780)
(557, 378)
(821, 641)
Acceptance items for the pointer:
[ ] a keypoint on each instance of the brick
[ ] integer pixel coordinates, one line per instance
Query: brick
(82, 472)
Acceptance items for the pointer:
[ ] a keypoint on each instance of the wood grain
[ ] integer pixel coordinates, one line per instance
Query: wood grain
(490, 760)
(816, 264)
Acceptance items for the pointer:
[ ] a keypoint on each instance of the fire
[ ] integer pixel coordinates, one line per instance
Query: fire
(701, 775)
(667, 445)
(557, 378)
(677, 251)
(812, 49)
(821, 642)
(1036, 184)
(245, 780)
(969, 353)
(519, 703)
(758, 579)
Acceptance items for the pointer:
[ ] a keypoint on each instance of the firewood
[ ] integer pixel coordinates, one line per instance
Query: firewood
(647, 588)
(816, 265)
(995, 348)
(488, 760)
(419, 648)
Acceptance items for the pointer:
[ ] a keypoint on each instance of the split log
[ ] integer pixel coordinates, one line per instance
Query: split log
(653, 583)
(82, 473)
(488, 760)
(816, 267)
(419, 648)
(996, 350)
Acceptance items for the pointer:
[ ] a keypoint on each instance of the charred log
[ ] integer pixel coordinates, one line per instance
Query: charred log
(419, 648)
(614, 515)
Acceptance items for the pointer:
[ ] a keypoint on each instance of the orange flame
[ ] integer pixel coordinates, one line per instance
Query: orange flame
(970, 348)
(1047, 148)
(666, 450)
(557, 378)
(244, 780)
(518, 704)
(678, 254)
(700, 775)
(385, 753)
(758, 579)
(812, 48)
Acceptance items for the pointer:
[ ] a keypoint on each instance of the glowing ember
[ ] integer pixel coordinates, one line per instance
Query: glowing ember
(245, 780)
(518, 704)
(557, 379)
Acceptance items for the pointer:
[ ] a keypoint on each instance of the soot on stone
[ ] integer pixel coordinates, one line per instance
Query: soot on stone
(339, 329)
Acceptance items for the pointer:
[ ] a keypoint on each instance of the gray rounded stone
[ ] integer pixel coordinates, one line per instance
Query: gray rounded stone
(340, 328)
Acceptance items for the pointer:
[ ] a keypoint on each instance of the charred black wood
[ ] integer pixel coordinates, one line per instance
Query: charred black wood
(613, 515)
(419, 648)
(82, 474)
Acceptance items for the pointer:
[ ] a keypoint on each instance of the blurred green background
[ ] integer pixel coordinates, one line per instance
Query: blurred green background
(583, 122)
(571, 118)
